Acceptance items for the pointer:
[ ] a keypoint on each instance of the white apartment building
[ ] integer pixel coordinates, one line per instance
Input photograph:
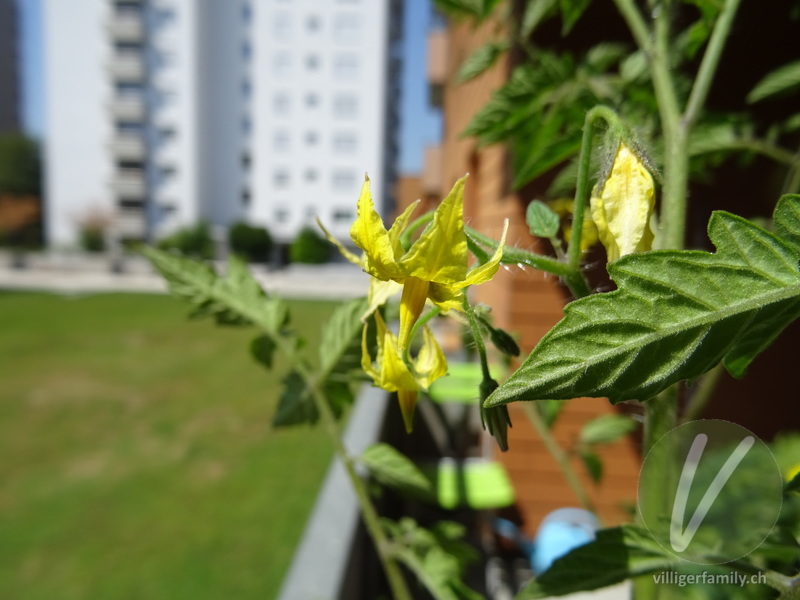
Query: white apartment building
(161, 113)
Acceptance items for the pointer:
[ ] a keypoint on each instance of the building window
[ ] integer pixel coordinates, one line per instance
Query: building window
(312, 137)
(282, 64)
(281, 215)
(345, 106)
(345, 142)
(313, 23)
(281, 178)
(344, 180)
(311, 175)
(129, 90)
(166, 135)
(312, 100)
(246, 197)
(247, 88)
(246, 161)
(346, 27)
(247, 125)
(247, 50)
(282, 103)
(165, 17)
(280, 140)
(247, 12)
(312, 62)
(345, 67)
(282, 26)
(343, 215)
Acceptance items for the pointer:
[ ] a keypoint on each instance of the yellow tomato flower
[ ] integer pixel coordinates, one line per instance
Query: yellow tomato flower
(390, 371)
(435, 267)
(622, 209)
(793, 472)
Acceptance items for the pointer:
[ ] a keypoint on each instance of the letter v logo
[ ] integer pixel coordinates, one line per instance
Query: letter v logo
(679, 537)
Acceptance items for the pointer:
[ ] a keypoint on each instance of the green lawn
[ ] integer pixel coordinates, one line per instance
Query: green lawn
(137, 459)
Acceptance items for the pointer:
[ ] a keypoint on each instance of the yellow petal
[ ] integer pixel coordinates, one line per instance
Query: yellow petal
(415, 293)
(486, 271)
(398, 227)
(395, 374)
(430, 363)
(622, 209)
(440, 253)
(408, 402)
(379, 292)
(369, 234)
(446, 297)
(342, 250)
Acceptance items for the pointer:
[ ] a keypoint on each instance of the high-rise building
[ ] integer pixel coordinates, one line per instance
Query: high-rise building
(9, 68)
(162, 113)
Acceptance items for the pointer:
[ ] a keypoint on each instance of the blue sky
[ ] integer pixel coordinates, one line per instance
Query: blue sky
(419, 124)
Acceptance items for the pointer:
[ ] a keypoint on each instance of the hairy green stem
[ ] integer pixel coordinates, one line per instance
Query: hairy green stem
(702, 396)
(558, 454)
(573, 278)
(416, 327)
(405, 237)
(394, 575)
(476, 334)
(708, 66)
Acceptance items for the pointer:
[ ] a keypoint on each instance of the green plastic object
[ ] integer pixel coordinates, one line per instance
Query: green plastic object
(478, 483)
(460, 386)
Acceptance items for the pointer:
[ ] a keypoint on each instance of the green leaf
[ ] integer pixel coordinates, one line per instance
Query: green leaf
(593, 464)
(262, 349)
(607, 429)
(571, 11)
(787, 220)
(793, 485)
(536, 12)
(480, 60)
(780, 80)
(615, 555)
(235, 298)
(295, 406)
(395, 470)
(340, 348)
(437, 557)
(551, 410)
(674, 316)
(541, 220)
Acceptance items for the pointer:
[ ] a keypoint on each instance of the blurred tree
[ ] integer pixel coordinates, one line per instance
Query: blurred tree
(20, 166)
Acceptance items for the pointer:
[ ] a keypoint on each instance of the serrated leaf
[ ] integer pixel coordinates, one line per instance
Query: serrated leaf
(615, 555)
(340, 347)
(607, 429)
(536, 12)
(571, 12)
(480, 60)
(235, 298)
(541, 220)
(593, 464)
(674, 316)
(780, 80)
(262, 349)
(295, 405)
(395, 470)
(787, 220)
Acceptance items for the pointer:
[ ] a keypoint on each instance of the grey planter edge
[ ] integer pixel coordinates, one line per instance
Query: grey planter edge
(319, 567)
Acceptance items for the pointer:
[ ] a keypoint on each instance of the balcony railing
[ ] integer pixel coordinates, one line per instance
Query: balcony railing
(126, 146)
(131, 223)
(127, 68)
(130, 109)
(129, 186)
(126, 28)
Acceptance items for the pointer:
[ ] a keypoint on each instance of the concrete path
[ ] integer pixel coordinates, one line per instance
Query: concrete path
(85, 274)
